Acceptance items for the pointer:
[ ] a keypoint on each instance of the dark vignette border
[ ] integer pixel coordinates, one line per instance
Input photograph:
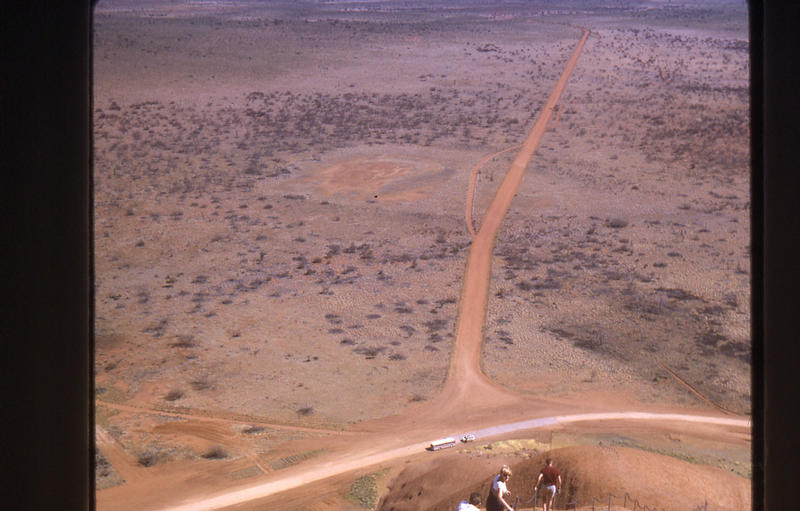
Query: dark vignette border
(775, 82)
(46, 336)
(46, 265)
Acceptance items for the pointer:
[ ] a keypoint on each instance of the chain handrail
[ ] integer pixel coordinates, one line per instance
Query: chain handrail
(626, 498)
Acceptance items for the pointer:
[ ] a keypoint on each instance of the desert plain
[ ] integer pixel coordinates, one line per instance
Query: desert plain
(286, 197)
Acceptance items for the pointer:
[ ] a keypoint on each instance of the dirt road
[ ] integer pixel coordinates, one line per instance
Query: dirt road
(465, 372)
(305, 476)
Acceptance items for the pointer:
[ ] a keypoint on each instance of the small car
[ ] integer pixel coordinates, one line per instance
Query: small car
(469, 437)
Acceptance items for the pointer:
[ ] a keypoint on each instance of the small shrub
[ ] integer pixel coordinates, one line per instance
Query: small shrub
(215, 453)
(547, 284)
(102, 465)
(369, 352)
(201, 384)
(712, 310)
(147, 458)
(616, 223)
(677, 294)
(307, 410)
(364, 492)
(408, 330)
(435, 325)
(173, 395)
(184, 341)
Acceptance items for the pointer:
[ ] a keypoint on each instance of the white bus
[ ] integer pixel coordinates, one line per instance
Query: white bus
(442, 444)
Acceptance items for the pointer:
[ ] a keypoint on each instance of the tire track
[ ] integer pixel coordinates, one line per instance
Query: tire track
(695, 391)
(220, 418)
(471, 190)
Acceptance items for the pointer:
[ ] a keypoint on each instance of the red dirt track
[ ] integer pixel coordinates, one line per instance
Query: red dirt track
(465, 363)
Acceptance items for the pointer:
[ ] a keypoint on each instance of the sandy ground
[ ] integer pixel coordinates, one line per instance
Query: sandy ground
(281, 237)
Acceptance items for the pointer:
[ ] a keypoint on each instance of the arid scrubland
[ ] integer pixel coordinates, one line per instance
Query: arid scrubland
(280, 196)
(639, 250)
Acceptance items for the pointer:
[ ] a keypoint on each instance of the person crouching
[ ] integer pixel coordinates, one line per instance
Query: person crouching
(472, 505)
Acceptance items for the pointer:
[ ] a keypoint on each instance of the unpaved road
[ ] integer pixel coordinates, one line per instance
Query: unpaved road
(469, 401)
(465, 362)
(356, 461)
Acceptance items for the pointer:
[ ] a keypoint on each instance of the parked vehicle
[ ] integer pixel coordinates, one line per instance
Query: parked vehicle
(469, 437)
(442, 444)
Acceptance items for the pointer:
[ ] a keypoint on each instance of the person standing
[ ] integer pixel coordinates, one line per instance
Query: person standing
(496, 501)
(551, 477)
(472, 505)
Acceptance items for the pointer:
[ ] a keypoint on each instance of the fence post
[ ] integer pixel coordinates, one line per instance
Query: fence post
(625, 502)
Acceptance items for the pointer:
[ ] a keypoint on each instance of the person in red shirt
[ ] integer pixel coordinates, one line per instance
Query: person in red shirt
(551, 478)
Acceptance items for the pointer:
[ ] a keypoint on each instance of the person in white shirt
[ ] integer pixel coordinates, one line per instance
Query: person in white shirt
(499, 492)
(472, 505)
